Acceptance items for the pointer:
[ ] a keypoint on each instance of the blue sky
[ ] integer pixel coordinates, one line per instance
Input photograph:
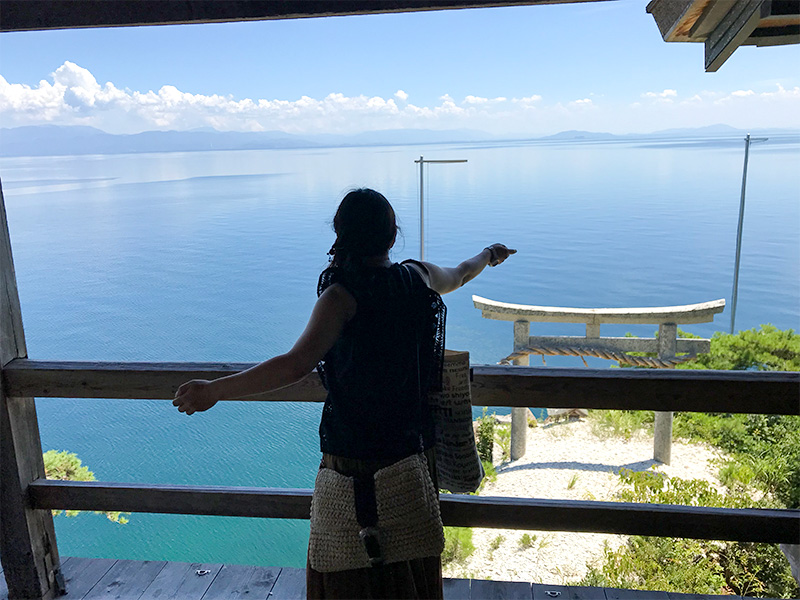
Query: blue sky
(541, 69)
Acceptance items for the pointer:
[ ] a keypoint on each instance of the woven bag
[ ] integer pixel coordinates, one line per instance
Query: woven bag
(409, 522)
(458, 465)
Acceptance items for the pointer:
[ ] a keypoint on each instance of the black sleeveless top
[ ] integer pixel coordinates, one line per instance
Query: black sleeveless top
(379, 371)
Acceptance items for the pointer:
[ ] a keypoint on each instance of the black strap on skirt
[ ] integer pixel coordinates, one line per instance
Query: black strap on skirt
(367, 516)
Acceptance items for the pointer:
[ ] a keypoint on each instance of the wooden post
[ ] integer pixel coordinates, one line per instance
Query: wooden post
(27, 536)
(662, 436)
(519, 416)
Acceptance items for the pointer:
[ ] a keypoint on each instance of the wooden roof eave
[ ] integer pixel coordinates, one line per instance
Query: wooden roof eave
(724, 25)
(25, 15)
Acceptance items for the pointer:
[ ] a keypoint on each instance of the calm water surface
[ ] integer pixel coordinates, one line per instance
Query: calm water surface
(214, 256)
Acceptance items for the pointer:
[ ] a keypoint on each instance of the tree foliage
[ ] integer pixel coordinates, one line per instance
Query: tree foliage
(693, 566)
(763, 453)
(66, 466)
(764, 349)
(764, 450)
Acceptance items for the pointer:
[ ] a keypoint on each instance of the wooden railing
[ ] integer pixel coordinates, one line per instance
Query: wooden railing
(714, 391)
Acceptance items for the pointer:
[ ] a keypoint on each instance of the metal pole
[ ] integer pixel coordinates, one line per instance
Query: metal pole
(421, 211)
(422, 162)
(735, 292)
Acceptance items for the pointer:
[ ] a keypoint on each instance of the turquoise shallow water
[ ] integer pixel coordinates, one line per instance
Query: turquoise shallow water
(214, 256)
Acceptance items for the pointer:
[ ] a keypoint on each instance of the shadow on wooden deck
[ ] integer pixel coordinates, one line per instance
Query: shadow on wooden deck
(93, 578)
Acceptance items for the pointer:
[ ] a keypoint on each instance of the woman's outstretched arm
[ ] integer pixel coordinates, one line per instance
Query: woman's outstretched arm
(447, 279)
(334, 308)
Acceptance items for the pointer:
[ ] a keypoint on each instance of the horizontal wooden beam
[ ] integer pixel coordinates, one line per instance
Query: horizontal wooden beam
(618, 344)
(774, 36)
(731, 32)
(135, 381)
(690, 313)
(674, 18)
(512, 386)
(24, 15)
(747, 525)
(638, 389)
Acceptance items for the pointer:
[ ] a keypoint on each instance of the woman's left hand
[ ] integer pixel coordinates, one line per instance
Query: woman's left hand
(499, 253)
(194, 396)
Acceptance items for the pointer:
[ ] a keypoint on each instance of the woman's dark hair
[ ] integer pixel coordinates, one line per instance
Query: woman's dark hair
(365, 225)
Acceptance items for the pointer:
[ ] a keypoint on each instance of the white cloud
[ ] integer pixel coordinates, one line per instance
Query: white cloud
(73, 96)
(528, 100)
(744, 109)
(480, 100)
(665, 97)
(664, 94)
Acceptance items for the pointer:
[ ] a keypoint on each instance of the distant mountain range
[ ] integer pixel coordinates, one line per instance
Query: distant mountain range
(53, 140)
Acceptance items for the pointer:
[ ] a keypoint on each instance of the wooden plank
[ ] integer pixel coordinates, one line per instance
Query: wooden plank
(281, 503)
(455, 589)
(708, 21)
(242, 581)
(27, 537)
(567, 592)
(616, 594)
(229, 582)
(126, 580)
(753, 525)
(492, 385)
(291, 585)
(638, 389)
(159, 381)
(672, 15)
(734, 29)
(182, 581)
(664, 520)
(23, 15)
(774, 36)
(262, 581)
(482, 589)
(679, 596)
(82, 574)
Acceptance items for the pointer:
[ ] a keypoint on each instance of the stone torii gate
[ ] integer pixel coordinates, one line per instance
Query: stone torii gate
(670, 349)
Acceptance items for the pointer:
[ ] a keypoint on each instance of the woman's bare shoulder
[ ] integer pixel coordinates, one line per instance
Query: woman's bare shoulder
(420, 268)
(340, 297)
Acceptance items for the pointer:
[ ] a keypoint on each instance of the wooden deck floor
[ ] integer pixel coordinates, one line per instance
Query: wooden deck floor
(93, 578)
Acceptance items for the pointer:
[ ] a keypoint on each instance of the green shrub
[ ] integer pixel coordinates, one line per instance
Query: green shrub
(494, 545)
(527, 541)
(502, 435)
(458, 545)
(765, 349)
(485, 441)
(692, 566)
(764, 449)
(620, 423)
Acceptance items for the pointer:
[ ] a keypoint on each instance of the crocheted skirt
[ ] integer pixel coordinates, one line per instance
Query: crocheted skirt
(418, 578)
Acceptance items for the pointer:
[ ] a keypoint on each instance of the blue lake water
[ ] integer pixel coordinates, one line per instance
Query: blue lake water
(214, 256)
